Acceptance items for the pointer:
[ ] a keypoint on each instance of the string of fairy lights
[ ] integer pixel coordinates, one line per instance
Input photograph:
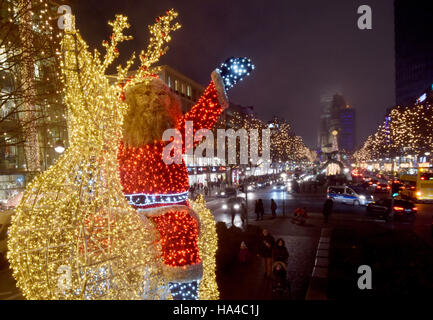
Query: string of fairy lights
(405, 131)
(284, 144)
(30, 66)
(74, 216)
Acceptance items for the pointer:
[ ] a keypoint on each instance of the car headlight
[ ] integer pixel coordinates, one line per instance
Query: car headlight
(282, 187)
(223, 193)
(225, 207)
(362, 197)
(250, 188)
(236, 206)
(274, 187)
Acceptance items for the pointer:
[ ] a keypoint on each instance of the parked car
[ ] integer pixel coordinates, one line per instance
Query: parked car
(402, 210)
(227, 193)
(349, 195)
(5, 222)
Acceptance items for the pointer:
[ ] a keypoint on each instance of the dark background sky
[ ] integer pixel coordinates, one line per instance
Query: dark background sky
(302, 49)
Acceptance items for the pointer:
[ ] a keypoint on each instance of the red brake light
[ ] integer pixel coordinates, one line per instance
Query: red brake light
(398, 209)
(388, 187)
(415, 209)
(422, 178)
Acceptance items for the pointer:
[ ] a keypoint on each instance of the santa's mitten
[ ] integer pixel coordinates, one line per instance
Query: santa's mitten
(234, 70)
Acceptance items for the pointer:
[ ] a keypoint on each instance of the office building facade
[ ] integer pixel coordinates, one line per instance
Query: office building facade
(413, 49)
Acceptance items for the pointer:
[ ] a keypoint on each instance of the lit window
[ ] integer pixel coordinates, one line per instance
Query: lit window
(3, 56)
(169, 81)
(37, 70)
(176, 85)
(188, 91)
(183, 88)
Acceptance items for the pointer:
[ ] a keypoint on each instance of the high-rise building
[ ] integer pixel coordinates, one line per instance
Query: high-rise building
(413, 49)
(347, 134)
(340, 117)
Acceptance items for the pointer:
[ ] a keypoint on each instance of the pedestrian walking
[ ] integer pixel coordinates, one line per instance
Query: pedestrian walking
(261, 208)
(327, 209)
(273, 208)
(266, 246)
(280, 252)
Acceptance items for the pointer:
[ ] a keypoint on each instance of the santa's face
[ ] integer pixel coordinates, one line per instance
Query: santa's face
(153, 108)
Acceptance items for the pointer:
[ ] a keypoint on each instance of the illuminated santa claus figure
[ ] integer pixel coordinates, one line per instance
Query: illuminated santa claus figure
(159, 190)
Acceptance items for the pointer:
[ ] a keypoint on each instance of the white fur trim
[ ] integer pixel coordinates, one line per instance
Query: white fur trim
(187, 273)
(219, 85)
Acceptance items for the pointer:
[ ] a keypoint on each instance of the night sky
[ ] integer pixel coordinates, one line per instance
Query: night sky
(302, 50)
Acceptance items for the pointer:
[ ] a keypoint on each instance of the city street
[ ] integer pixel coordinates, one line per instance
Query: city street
(301, 241)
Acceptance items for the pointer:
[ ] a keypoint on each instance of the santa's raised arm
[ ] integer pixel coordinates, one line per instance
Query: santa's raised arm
(157, 189)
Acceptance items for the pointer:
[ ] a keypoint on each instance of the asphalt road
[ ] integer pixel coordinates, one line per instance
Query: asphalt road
(313, 202)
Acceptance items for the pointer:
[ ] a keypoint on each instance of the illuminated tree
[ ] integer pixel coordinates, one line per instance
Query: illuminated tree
(406, 131)
(32, 110)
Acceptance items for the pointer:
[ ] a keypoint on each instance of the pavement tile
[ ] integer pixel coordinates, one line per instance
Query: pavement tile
(320, 272)
(325, 240)
(323, 246)
(322, 253)
(322, 262)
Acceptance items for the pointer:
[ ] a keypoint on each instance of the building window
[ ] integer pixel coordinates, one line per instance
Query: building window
(188, 91)
(183, 88)
(176, 85)
(169, 81)
(37, 69)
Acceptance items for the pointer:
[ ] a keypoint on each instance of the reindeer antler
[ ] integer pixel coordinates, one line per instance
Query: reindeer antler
(117, 37)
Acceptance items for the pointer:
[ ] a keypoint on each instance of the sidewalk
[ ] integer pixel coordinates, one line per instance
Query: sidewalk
(248, 282)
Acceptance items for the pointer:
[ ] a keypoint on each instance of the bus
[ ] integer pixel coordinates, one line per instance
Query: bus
(417, 184)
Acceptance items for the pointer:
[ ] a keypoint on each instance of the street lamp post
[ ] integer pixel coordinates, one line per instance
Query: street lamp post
(246, 203)
(284, 203)
(284, 175)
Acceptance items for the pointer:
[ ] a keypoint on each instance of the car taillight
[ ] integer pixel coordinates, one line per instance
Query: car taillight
(388, 187)
(415, 209)
(398, 209)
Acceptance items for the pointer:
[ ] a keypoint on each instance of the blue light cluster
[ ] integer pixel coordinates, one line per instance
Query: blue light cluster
(234, 70)
(142, 200)
(184, 291)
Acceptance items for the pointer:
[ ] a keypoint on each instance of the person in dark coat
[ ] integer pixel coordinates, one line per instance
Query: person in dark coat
(273, 208)
(280, 253)
(327, 209)
(266, 246)
(261, 208)
(257, 209)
